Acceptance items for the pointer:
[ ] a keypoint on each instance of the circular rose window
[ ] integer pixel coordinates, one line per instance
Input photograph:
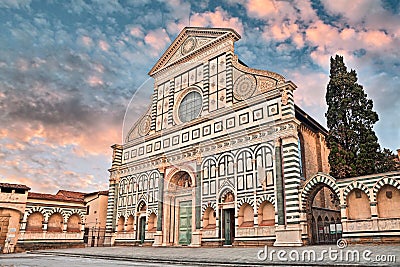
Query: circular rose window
(190, 106)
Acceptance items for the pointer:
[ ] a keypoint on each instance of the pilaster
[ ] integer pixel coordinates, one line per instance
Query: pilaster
(288, 232)
(158, 236)
(196, 235)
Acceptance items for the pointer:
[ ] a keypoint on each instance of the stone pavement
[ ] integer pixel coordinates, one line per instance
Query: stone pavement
(353, 255)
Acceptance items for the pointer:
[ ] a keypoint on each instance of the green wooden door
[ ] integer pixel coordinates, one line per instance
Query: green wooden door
(229, 226)
(185, 223)
(142, 229)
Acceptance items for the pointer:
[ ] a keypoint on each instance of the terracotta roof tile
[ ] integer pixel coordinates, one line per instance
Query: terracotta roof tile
(105, 192)
(71, 194)
(57, 197)
(14, 186)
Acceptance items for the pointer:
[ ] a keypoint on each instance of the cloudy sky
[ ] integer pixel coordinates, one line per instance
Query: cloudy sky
(68, 70)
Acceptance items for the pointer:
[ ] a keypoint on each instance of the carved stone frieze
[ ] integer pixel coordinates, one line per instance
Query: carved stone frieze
(264, 84)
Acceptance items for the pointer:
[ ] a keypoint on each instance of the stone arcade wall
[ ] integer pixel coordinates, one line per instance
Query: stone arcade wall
(369, 206)
(52, 221)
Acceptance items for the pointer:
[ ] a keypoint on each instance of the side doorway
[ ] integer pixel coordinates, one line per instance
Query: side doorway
(229, 226)
(142, 229)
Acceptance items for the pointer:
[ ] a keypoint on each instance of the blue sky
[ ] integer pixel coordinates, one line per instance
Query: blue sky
(68, 70)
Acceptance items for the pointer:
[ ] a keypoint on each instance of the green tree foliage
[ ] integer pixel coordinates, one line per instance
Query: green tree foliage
(354, 147)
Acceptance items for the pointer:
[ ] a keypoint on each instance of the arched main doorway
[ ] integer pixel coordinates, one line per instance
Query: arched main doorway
(179, 209)
(323, 215)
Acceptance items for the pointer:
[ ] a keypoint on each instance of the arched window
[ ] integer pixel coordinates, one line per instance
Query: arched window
(129, 226)
(208, 181)
(244, 161)
(245, 168)
(153, 187)
(152, 224)
(74, 223)
(388, 202)
(140, 184)
(121, 222)
(35, 222)
(55, 223)
(265, 167)
(130, 185)
(246, 216)
(225, 166)
(266, 214)
(358, 205)
(121, 187)
(134, 185)
(209, 220)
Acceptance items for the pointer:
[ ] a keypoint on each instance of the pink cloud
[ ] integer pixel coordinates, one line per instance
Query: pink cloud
(375, 39)
(261, 8)
(87, 41)
(104, 45)
(311, 88)
(95, 81)
(354, 11)
(321, 34)
(219, 18)
(157, 39)
(283, 31)
(136, 32)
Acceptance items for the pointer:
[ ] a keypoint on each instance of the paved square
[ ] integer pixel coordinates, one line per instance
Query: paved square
(357, 255)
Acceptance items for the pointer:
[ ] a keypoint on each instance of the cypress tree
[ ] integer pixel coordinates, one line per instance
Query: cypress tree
(354, 147)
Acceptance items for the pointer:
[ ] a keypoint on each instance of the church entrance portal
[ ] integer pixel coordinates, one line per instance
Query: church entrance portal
(179, 210)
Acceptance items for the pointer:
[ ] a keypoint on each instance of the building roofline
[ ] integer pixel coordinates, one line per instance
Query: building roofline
(14, 186)
(302, 116)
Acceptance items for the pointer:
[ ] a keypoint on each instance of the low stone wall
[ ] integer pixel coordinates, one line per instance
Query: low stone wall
(133, 243)
(376, 230)
(48, 240)
(26, 246)
(253, 243)
(255, 231)
(209, 233)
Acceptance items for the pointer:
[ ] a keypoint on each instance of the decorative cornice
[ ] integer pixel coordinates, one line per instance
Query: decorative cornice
(277, 77)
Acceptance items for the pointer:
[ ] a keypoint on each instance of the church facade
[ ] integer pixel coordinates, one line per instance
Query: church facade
(223, 156)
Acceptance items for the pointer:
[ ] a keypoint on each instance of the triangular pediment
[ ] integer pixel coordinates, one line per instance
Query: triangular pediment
(190, 40)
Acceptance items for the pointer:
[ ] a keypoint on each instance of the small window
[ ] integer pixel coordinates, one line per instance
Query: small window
(389, 194)
(358, 193)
